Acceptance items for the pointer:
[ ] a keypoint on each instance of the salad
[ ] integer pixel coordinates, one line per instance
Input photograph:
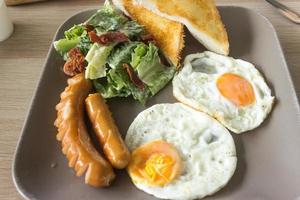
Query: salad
(117, 54)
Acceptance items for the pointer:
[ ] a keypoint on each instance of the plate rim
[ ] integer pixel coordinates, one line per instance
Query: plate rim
(17, 183)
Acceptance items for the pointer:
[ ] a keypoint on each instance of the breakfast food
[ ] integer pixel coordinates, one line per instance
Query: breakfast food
(167, 34)
(179, 153)
(231, 90)
(201, 17)
(73, 135)
(180, 150)
(107, 132)
(119, 55)
(155, 163)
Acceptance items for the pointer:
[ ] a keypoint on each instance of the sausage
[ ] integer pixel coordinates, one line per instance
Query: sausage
(107, 132)
(73, 135)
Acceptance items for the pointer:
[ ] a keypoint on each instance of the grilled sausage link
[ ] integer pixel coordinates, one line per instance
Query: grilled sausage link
(107, 132)
(72, 133)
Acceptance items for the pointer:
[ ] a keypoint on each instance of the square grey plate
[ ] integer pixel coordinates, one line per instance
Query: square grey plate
(268, 157)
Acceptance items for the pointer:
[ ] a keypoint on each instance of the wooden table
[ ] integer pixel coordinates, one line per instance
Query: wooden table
(22, 57)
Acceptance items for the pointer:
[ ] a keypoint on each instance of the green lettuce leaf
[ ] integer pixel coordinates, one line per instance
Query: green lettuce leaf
(96, 58)
(132, 29)
(75, 32)
(146, 63)
(84, 44)
(141, 95)
(152, 72)
(121, 54)
(118, 84)
(74, 37)
(112, 86)
(63, 46)
(107, 18)
(139, 52)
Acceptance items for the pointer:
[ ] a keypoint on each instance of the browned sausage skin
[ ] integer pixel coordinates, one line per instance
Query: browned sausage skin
(107, 132)
(72, 132)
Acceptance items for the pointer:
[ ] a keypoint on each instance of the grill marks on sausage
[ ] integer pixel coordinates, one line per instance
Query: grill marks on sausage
(108, 37)
(74, 137)
(133, 77)
(106, 131)
(75, 64)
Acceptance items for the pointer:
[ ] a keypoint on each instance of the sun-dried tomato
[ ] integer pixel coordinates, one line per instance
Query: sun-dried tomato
(75, 63)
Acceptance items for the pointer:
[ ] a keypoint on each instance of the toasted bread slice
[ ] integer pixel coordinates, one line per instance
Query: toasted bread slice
(201, 17)
(168, 34)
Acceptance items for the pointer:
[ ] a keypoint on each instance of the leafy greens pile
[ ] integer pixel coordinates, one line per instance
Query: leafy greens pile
(114, 67)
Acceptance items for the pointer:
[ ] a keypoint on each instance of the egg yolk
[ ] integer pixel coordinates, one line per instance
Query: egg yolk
(236, 89)
(156, 164)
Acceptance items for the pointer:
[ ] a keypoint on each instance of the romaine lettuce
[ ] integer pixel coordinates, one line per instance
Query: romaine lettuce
(85, 44)
(96, 58)
(106, 63)
(112, 86)
(75, 36)
(132, 29)
(139, 52)
(152, 72)
(146, 62)
(121, 54)
(63, 46)
(118, 84)
(107, 19)
(75, 32)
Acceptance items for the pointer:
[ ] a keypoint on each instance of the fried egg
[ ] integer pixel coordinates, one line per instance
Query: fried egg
(179, 153)
(230, 90)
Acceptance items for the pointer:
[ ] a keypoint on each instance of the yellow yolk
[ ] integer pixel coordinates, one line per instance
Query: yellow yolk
(159, 166)
(156, 163)
(236, 89)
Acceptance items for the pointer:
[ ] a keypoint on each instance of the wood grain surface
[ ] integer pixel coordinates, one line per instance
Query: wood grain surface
(23, 54)
(18, 2)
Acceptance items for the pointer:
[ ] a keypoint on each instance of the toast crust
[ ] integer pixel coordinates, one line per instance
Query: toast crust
(201, 17)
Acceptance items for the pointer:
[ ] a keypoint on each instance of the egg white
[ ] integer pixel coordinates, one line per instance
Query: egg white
(205, 146)
(195, 85)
